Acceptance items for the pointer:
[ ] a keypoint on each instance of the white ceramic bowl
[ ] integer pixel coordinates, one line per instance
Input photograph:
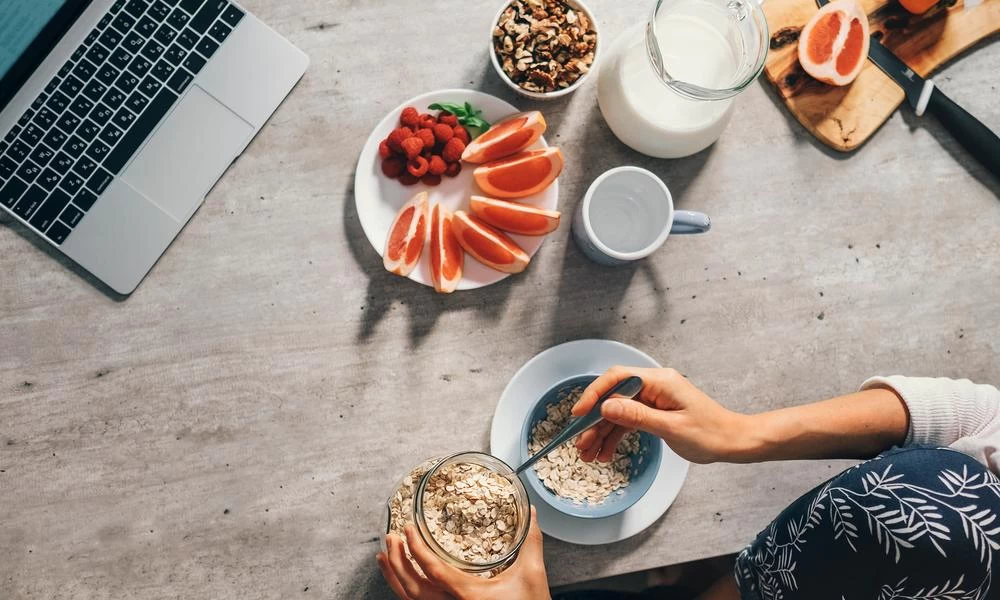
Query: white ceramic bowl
(580, 7)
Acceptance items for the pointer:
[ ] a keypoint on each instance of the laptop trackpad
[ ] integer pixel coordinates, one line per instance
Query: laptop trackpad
(188, 153)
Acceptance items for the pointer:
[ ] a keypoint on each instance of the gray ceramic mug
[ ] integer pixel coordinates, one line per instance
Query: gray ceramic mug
(627, 214)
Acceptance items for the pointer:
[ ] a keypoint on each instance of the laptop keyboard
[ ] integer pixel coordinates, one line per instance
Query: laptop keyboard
(103, 104)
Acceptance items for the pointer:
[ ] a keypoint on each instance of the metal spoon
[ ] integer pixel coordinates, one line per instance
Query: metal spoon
(627, 388)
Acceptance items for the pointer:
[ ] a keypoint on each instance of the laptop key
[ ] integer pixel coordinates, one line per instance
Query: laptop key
(99, 181)
(47, 214)
(114, 98)
(72, 183)
(31, 134)
(146, 27)
(48, 179)
(127, 82)
(191, 5)
(88, 130)
(119, 58)
(178, 19)
(84, 167)
(117, 6)
(208, 13)
(12, 192)
(159, 11)
(91, 38)
(85, 200)
(123, 118)
(75, 146)
(104, 21)
(107, 74)
(71, 86)
(19, 150)
(140, 66)
(55, 139)
(187, 39)
(94, 90)
(123, 22)
(26, 118)
(45, 118)
(29, 171)
(220, 31)
(175, 54)
(58, 233)
(136, 102)
(58, 102)
(110, 135)
(165, 34)
(163, 70)
(232, 15)
(101, 115)
(98, 54)
(53, 85)
(133, 42)
(194, 63)
(97, 151)
(152, 50)
(110, 38)
(39, 101)
(136, 7)
(65, 69)
(180, 81)
(62, 163)
(150, 86)
(139, 131)
(81, 106)
(71, 216)
(7, 167)
(84, 69)
(42, 155)
(30, 202)
(207, 47)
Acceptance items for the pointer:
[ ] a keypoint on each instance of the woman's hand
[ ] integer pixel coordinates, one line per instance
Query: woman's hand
(669, 406)
(525, 579)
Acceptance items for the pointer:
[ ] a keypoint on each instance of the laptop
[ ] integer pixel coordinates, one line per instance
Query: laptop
(118, 116)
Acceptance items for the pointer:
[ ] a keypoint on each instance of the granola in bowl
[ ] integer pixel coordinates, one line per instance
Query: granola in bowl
(544, 48)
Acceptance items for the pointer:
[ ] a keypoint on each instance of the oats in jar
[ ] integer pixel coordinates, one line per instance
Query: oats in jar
(564, 473)
(544, 45)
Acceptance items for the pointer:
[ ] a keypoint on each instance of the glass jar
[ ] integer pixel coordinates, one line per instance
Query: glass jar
(666, 87)
(416, 481)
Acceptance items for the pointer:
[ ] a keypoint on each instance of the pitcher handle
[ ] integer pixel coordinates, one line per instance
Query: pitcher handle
(689, 221)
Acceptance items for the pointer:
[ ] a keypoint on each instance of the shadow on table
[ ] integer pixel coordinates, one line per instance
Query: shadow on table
(801, 133)
(425, 305)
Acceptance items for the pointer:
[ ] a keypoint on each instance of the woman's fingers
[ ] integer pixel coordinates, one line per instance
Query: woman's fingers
(437, 572)
(601, 432)
(531, 550)
(610, 444)
(599, 387)
(587, 439)
(411, 581)
(390, 576)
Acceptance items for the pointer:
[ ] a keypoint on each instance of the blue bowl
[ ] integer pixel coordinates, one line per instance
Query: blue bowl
(641, 475)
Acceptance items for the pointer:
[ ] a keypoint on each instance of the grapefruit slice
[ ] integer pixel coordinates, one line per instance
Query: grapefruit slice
(833, 46)
(514, 217)
(488, 245)
(446, 253)
(520, 175)
(406, 237)
(511, 135)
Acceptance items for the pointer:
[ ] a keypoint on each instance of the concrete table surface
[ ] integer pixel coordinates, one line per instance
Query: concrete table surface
(232, 429)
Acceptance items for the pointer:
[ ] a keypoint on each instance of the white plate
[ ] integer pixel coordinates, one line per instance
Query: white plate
(379, 198)
(534, 379)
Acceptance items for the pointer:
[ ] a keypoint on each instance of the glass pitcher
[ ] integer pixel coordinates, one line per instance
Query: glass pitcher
(666, 87)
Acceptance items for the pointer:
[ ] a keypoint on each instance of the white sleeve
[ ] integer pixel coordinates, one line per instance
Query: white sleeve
(949, 412)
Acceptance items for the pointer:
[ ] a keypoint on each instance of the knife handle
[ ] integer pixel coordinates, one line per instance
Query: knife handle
(978, 139)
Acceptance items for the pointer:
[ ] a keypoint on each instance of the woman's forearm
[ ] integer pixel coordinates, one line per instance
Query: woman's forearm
(859, 425)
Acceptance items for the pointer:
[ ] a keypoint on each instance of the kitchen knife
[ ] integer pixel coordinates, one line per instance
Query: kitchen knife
(923, 95)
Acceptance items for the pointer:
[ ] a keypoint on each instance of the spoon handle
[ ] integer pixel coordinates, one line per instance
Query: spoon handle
(628, 388)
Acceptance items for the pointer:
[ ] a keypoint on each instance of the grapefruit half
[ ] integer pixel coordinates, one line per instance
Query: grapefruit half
(514, 217)
(833, 46)
(520, 175)
(488, 245)
(511, 135)
(447, 255)
(406, 237)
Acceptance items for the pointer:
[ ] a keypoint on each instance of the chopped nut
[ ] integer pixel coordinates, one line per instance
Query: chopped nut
(544, 45)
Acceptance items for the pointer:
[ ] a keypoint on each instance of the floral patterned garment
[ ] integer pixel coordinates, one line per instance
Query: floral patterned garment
(912, 524)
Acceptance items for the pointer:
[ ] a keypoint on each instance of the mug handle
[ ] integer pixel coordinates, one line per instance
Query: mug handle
(688, 221)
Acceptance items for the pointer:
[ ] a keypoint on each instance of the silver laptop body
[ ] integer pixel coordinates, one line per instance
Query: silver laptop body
(143, 158)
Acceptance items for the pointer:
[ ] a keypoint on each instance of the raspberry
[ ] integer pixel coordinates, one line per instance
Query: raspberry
(407, 179)
(409, 117)
(427, 136)
(397, 136)
(462, 134)
(437, 165)
(384, 150)
(429, 179)
(427, 121)
(447, 118)
(443, 133)
(453, 169)
(392, 167)
(417, 166)
(453, 150)
(412, 146)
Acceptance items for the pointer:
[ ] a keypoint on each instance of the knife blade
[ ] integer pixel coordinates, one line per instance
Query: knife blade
(923, 96)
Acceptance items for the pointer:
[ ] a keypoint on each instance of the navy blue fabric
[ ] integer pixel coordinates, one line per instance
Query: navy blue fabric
(912, 524)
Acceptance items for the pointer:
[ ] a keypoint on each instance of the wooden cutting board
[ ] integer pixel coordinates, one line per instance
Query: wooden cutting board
(844, 117)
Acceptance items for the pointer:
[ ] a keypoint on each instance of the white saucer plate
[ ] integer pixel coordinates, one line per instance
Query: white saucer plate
(379, 198)
(536, 377)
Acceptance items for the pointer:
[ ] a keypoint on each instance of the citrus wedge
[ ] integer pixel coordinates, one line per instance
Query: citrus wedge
(447, 255)
(520, 175)
(511, 135)
(406, 237)
(514, 217)
(488, 245)
(833, 46)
